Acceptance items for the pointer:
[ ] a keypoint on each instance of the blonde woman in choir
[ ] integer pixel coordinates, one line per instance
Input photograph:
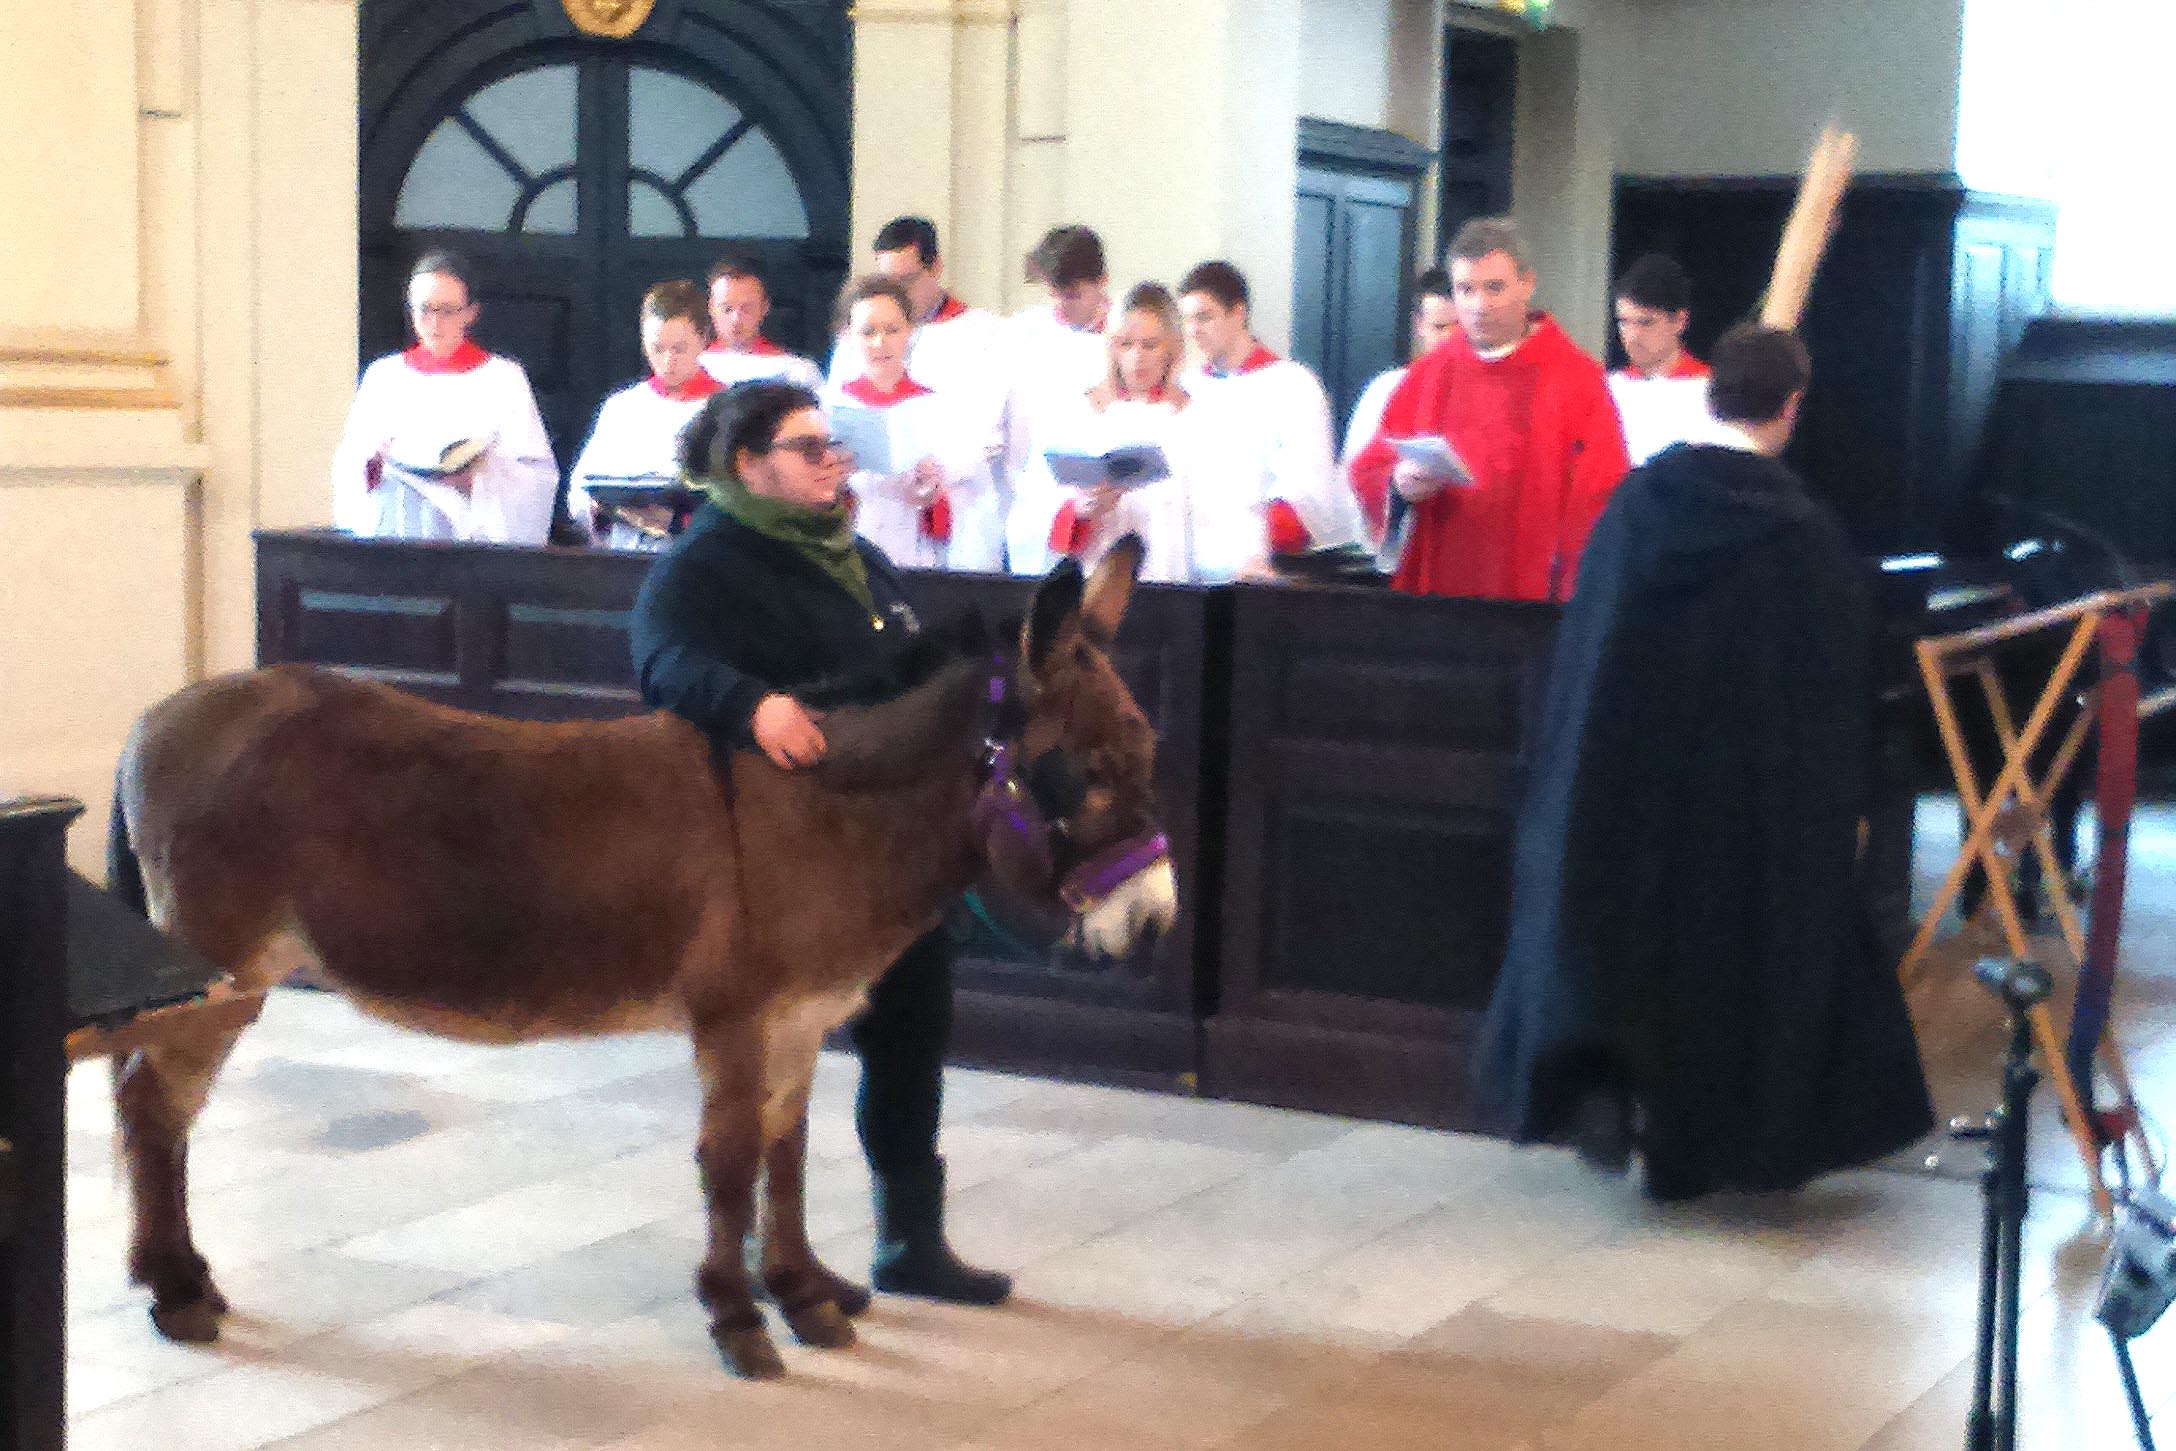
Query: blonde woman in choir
(1138, 401)
(437, 402)
(637, 434)
(936, 504)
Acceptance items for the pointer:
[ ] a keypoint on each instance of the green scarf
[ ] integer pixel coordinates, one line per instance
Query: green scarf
(824, 537)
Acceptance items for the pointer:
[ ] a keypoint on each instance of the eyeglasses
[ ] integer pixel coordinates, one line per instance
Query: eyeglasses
(441, 311)
(812, 447)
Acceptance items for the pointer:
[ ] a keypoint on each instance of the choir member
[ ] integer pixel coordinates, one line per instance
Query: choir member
(637, 434)
(1057, 347)
(1434, 320)
(739, 352)
(1529, 415)
(934, 502)
(1266, 481)
(1662, 393)
(413, 409)
(1689, 971)
(962, 352)
(1137, 402)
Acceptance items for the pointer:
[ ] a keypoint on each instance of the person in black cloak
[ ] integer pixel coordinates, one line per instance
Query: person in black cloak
(1690, 969)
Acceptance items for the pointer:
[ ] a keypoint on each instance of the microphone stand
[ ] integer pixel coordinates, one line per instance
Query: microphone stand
(1991, 1425)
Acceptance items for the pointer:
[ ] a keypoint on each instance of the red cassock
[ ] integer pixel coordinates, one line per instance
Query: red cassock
(1540, 432)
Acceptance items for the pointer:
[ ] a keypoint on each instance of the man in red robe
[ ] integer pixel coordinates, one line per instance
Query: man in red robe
(1526, 410)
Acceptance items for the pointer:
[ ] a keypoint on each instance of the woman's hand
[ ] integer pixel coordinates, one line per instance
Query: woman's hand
(786, 731)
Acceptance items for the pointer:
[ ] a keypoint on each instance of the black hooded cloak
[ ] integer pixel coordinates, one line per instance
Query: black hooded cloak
(1687, 927)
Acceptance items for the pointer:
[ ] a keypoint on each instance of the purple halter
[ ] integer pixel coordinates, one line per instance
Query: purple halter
(1006, 805)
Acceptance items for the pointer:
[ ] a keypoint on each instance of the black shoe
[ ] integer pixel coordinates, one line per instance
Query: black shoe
(912, 1255)
(1601, 1131)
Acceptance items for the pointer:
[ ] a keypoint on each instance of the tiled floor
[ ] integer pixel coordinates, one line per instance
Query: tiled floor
(433, 1246)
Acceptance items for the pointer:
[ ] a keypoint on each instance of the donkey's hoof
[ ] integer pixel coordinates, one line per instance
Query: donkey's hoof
(823, 1325)
(193, 1323)
(852, 1299)
(749, 1354)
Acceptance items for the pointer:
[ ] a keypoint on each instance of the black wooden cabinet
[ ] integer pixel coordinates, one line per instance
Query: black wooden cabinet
(33, 1137)
(1924, 288)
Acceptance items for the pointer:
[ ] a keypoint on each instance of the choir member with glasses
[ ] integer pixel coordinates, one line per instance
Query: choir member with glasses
(444, 440)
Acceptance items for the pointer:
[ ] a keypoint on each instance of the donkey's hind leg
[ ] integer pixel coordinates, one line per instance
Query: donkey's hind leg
(158, 1092)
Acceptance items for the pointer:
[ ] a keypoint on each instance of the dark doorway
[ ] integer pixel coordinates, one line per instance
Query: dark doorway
(1480, 103)
(1353, 251)
(574, 172)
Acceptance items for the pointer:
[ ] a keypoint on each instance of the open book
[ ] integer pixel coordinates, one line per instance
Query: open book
(635, 491)
(1125, 467)
(428, 471)
(1436, 455)
(867, 435)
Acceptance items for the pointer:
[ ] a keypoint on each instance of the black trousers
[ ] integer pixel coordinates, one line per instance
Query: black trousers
(902, 1037)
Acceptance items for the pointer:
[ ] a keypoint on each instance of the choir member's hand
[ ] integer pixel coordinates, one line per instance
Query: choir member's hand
(1097, 502)
(1415, 483)
(1258, 570)
(786, 730)
(926, 481)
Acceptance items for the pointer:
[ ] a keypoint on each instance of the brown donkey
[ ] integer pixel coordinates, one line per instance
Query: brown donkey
(501, 881)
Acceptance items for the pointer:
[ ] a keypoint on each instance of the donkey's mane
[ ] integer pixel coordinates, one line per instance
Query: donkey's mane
(874, 747)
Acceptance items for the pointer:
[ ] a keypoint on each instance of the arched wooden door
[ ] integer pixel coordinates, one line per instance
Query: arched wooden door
(574, 172)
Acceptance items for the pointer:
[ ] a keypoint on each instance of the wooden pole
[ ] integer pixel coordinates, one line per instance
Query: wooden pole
(1812, 222)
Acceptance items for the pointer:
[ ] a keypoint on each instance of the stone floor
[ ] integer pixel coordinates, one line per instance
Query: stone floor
(432, 1246)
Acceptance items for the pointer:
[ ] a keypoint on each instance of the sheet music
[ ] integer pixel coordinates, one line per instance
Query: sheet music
(867, 435)
(1436, 455)
(1127, 467)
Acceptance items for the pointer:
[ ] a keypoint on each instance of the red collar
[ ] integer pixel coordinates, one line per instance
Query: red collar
(861, 390)
(1157, 394)
(466, 358)
(1254, 362)
(1684, 365)
(762, 347)
(948, 309)
(694, 390)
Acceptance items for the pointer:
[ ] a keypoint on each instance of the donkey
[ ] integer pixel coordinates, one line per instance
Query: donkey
(502, 881)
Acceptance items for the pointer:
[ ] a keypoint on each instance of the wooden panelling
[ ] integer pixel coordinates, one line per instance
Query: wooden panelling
(1376, 744)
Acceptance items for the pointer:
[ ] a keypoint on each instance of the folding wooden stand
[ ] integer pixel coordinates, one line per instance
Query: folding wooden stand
(2011, 816)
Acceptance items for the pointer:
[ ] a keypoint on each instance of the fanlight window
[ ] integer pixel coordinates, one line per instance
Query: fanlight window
(505, 161)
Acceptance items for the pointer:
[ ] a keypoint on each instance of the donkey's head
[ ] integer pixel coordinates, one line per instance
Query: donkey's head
(1068, 813)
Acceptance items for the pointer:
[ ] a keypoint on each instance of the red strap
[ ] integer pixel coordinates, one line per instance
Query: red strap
(1287, 535)
(1069, 532)
(937, 518)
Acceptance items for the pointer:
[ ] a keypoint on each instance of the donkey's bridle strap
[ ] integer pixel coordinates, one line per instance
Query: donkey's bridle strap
(1108, 870)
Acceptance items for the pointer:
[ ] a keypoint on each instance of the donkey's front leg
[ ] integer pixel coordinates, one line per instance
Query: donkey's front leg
(728, 1149)
(816, 1302)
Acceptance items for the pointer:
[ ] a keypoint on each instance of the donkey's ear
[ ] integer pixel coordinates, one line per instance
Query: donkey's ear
(1110, 588)
(1057, 599)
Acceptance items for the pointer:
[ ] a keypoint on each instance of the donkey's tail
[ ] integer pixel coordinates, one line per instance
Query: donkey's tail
(124, 873)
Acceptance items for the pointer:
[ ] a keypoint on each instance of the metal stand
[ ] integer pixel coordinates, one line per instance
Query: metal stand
(1992, 1423)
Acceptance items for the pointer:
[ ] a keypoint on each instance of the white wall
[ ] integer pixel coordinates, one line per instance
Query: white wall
(1346, 45)
(177, 348)
(1741, 87)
